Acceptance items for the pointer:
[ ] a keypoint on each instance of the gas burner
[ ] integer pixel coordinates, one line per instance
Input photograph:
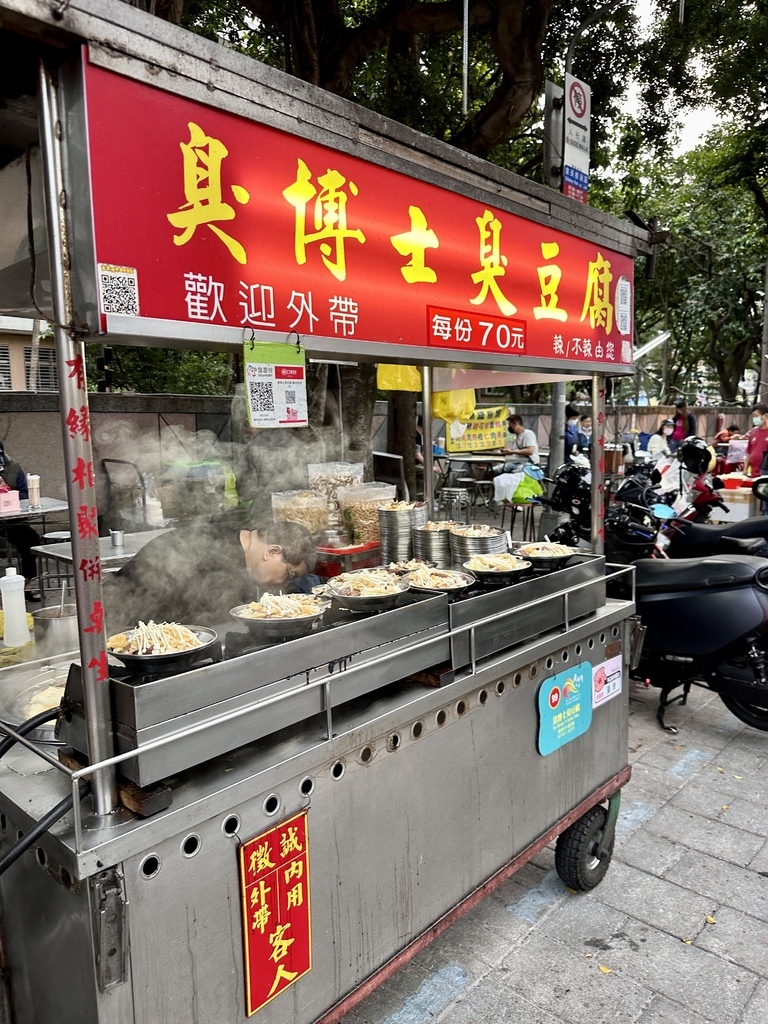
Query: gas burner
(213, 655)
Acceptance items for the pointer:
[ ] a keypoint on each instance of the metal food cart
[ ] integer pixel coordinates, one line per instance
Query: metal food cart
(277, 832)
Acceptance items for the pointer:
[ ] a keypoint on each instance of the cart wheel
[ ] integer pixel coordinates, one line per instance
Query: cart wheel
(576, 859)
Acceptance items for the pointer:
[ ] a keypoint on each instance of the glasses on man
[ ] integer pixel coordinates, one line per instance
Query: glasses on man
(293, 573)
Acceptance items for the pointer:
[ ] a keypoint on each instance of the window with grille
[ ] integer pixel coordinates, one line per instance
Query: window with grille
(47, 377)
(5, 368)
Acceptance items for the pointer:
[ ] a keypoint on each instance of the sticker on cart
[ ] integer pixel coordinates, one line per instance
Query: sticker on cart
(274, 887)
(606, 680)
(565, 707)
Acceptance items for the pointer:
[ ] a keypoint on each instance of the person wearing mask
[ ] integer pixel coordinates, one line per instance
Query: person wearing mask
(197, 573)
(684, 425)
(757, 441)
(585, 433)
(658, 443)
(21, 535)
(571, 435)
(523, 449)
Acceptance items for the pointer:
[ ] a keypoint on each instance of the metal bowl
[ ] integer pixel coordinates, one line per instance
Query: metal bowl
(463, 580)
(276, 627)
(499, 577)
(357, 603)
(146, 663)
(546, 563)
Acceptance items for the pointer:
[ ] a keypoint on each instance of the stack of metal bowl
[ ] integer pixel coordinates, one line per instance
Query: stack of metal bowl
(468, 541)
(432, 543)
(396, 521)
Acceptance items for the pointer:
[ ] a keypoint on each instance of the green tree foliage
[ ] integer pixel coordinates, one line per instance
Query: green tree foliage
(153, 371)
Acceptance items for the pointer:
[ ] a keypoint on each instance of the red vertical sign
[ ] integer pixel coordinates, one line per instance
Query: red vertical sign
(274, 880)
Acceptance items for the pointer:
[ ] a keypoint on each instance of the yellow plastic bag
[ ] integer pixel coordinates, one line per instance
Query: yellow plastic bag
(453, 405)
(398, 378)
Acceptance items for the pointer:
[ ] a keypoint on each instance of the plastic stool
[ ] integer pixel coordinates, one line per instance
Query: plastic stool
(526, 509)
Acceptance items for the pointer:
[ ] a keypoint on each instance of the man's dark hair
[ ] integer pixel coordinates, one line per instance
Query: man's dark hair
(571, 411)
(515, 419)
(585, 416)
(761, 408)
(293, 538)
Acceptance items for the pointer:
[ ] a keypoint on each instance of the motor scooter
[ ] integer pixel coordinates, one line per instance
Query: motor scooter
(705, 622)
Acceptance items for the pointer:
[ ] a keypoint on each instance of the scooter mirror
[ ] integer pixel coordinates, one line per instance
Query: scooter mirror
(662, 511)
(760, 488)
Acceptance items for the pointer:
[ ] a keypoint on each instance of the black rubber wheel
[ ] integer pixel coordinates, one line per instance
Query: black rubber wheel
(575, 858)
(750, 714)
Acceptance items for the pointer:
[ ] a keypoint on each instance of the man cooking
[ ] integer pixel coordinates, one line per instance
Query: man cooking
(196, 574)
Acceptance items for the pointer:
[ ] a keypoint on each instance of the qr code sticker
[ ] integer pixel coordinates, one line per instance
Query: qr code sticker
(261, 396)
(119, 289)
(290, 397)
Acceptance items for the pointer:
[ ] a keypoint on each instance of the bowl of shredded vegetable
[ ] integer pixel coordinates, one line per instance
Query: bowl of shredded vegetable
(498, 570)
(367, 589)
(545, 556)
(281, 616)
(152, 646)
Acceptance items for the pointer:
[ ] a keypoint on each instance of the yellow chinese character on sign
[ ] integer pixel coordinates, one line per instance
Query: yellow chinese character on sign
(596, 299)
(289, 840)
(492, 264)
(280, 945)
(294, 870)
(260, 859)
(281, 974)
(413, 243)
(202, 157)
(295, 896)
(329, 217)
(549, 281)
(261, 912)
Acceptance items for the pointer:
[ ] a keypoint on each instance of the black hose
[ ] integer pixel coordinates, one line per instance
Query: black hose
(23, 844)
(29, 726)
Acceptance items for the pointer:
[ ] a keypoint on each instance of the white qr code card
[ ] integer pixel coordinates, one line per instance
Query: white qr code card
(118, 289)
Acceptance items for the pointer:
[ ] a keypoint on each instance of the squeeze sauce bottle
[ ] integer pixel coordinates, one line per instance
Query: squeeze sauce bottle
(15, 629)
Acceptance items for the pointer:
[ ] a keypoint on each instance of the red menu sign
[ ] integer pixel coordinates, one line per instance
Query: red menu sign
(202, 216)
(274, 878)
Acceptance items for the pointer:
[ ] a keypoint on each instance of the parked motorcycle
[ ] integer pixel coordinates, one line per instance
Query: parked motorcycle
(705, 620)
(680, 537)
(705, 623)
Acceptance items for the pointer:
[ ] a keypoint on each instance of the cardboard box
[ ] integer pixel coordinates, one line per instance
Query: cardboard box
(9, 501)
(742, 504)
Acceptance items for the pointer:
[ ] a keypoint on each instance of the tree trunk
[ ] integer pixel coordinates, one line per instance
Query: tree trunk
(357, 385)
(401, 428)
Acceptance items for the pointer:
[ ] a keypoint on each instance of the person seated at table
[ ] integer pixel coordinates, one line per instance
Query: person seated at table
(728, 434)
(523, 449)
(21, 535)
(195, 574)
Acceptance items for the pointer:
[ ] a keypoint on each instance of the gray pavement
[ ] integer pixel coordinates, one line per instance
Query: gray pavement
(677, 932)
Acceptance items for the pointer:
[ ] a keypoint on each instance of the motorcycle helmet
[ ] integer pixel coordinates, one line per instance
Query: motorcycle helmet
(696, 455)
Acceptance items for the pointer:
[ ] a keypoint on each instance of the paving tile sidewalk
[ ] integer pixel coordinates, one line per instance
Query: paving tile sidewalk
(677, 932)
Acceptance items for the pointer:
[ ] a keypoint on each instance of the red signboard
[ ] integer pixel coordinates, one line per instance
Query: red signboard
(202, 216)
(274, 878)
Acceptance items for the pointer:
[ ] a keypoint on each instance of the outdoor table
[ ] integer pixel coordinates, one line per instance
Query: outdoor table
(25, 514)
(112, 557)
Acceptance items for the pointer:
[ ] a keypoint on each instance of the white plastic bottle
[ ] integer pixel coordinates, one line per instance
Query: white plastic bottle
(15, 629)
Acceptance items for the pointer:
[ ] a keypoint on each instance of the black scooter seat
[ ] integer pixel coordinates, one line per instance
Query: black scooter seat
(741, 545)
(695, 535)
(654, 575)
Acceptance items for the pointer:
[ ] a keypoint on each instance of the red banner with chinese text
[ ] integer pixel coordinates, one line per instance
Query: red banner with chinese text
(202, 216)
(274, 879)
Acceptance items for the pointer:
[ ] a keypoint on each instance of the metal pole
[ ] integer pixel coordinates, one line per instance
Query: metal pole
(78, 453)
(426, 440)
(557, 433)
(597, 458)
(761, 392)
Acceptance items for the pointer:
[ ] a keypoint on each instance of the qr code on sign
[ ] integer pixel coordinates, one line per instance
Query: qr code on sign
(119, 289)
(260, 394)
(290, 397)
